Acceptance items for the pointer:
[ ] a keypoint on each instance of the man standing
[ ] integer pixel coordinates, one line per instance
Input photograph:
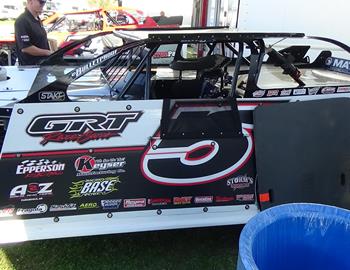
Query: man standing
(31, 38)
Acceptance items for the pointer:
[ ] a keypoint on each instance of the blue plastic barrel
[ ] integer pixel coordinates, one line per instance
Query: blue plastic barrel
(296, 236)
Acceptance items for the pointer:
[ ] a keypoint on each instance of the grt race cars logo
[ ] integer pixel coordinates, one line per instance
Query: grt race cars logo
(93, 187)
(80, 128)
(40, 168)
(87, 165)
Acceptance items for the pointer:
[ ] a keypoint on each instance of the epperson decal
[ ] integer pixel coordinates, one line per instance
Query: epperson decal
(80, 128)
(40, 168)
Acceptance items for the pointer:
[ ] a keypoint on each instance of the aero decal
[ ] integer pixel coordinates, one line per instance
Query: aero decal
(182, 154)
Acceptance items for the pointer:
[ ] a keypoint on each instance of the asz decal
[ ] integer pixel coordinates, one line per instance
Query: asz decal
(40, 168)
(93, 187)
(198, 163)
(32, 191)
(80, 128)
(88, 165)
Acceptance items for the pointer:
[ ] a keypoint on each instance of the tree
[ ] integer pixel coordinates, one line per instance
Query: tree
(102, 3)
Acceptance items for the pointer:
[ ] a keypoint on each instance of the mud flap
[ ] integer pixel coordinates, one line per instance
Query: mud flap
(303, 152)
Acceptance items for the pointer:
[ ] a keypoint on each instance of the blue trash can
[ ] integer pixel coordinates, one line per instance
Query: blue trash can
(296, 236)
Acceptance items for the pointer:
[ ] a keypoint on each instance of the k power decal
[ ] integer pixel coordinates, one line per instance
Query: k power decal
(80, 128)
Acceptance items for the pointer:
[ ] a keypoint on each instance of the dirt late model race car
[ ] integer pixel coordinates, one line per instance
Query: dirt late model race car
(227, 125)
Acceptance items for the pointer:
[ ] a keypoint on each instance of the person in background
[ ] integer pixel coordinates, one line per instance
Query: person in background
(31, 38)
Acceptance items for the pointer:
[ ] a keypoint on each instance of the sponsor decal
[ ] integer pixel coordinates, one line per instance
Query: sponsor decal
(328, 90)
(7, 211)
(93, 187)
(259, 93)
(224, 198)
(52, 96)
(32, 191)
(338, 64)
(245, 197)
(159, 201)
(63, 207)
(133, 203)
(203, 199)
(95, 62)
(343, 89)
(111, 204)
(40, 209)
(286, 92)
(165, 54)
(240, 182)
(40, 168)
(87, 165)
(272, 93)
(313, 91)
(80, 128)
(182, 200)
(89, 205)
(299, 91)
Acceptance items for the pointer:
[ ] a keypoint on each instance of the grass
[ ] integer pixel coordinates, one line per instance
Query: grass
(205, 248)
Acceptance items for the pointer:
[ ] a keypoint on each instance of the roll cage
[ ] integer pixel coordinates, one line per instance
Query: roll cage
(246, 52)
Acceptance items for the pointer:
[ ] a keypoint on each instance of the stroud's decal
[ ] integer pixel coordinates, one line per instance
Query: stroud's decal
(80, 128)
(338, 64)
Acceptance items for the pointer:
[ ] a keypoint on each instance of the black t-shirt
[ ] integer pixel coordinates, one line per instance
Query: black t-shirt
(29, 31)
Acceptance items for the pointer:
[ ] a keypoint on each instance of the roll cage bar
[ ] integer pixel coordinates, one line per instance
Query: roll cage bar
(153, 39)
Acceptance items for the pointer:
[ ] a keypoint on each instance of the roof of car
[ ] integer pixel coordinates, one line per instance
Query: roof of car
(213, 34)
